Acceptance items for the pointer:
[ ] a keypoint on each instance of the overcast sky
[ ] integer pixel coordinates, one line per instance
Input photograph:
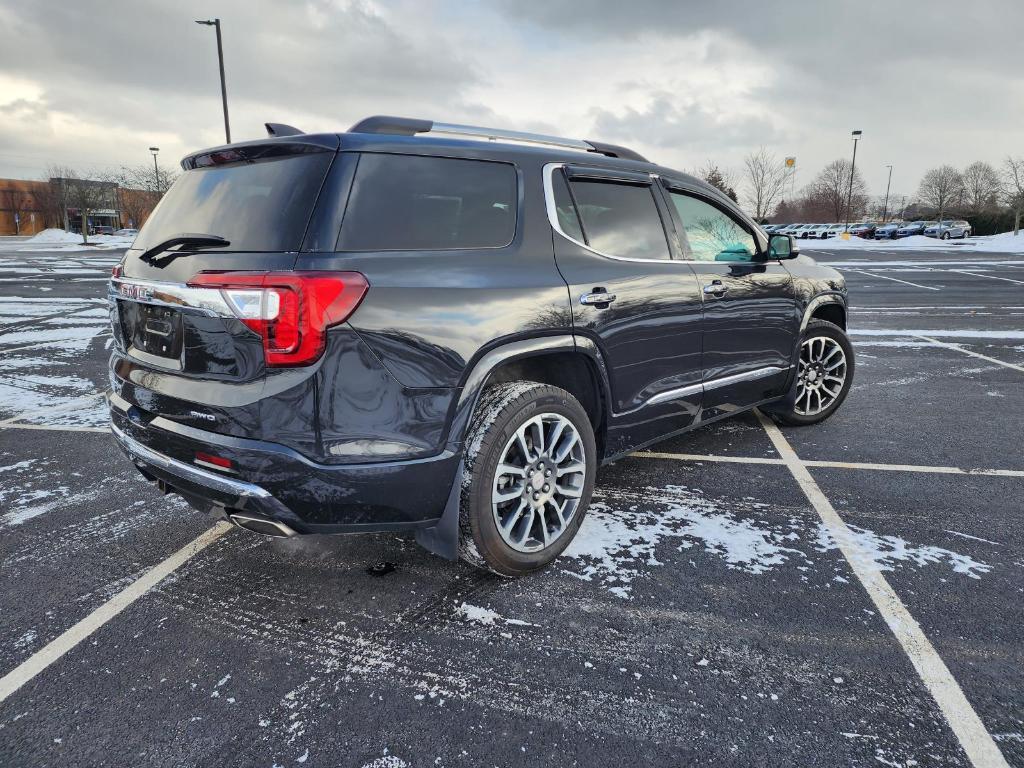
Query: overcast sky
(94, 84)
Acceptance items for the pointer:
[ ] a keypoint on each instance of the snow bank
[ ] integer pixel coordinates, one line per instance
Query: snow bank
(54, 236)
(59, 240)
(1003, 243)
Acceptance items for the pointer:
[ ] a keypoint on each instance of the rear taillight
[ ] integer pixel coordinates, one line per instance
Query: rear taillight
(291, 311)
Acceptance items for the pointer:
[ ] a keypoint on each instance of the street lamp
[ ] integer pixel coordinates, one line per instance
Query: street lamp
(885, 208)
(215, 23)
(853, 167)
(156, 170)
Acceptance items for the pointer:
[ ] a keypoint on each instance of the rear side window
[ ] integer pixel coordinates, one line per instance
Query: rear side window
(620, 219)
(413, 203)
(263, 205)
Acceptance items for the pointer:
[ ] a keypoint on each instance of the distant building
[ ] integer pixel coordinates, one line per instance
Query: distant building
(28, 207)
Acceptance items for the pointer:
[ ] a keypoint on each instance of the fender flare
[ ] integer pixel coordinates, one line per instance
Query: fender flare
(819, 300)
(478, 375)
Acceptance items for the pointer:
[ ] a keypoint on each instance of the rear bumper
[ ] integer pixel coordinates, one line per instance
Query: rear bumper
(275, 484)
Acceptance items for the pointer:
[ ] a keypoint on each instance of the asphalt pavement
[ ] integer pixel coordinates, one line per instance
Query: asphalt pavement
(709, 612)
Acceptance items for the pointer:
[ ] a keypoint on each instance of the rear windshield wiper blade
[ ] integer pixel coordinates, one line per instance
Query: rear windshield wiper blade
(190, 239)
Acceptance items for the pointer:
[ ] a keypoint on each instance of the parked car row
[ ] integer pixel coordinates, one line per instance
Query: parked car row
(869, 230)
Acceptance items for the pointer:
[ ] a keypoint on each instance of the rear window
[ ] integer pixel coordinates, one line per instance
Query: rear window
(262, 205)
(414, 203)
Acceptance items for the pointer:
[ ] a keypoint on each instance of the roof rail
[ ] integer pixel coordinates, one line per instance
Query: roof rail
(408, 126)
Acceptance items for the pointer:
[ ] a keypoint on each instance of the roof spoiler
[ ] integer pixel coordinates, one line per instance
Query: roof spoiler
(408, 126)
(280, 129)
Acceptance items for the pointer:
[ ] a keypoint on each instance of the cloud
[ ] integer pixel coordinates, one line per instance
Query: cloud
(94, 84)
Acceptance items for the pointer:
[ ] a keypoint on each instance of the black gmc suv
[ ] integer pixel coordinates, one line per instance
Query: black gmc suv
(446, 329)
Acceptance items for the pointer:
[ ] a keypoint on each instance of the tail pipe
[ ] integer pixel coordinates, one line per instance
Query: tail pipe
(262, 526)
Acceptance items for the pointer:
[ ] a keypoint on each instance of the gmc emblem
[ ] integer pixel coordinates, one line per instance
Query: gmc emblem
(133, 291)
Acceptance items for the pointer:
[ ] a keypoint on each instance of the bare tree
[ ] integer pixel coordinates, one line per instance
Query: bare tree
(940, 187)
(981, 185)
(139, 189)
(765, 179)
(831, 190)
(1013, 188)
(54, 200)
(88, 195)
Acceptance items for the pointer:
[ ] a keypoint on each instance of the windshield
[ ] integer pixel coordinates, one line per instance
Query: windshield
(262, 205)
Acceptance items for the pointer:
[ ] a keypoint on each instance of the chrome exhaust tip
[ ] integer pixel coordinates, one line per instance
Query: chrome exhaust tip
(263, 526)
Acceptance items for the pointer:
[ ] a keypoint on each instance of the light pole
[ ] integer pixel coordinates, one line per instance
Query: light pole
(853, 168)
(885, 208)
(156, 170)
(215, 23)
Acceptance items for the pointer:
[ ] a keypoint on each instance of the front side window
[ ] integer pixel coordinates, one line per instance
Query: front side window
(710, 234)
(415, 203)
(620, 219)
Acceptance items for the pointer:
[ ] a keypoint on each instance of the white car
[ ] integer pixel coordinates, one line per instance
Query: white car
(818, 231)
(834, 230)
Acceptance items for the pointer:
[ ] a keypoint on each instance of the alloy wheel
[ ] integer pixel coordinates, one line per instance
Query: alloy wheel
(821, 375)
(538, 482)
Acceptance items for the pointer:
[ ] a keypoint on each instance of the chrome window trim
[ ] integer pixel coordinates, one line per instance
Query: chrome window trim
(207, 301)
(552, 210)
(724, 381)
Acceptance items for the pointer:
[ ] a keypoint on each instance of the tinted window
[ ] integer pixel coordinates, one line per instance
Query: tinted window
(406, 202)
(620, 219)
(568, 221)
(710, 234)
(262, 205)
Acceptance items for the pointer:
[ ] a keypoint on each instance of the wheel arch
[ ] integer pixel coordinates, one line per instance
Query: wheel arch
(571, 362)
(825, 306)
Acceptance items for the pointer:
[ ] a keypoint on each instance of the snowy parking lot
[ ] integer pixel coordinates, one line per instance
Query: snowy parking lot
(845, 594)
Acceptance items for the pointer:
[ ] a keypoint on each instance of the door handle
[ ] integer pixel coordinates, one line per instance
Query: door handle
(715, 288)
(597, 298)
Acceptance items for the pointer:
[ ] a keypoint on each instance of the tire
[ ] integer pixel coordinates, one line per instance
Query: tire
(945, 235)
(803, 410)
(535, 532)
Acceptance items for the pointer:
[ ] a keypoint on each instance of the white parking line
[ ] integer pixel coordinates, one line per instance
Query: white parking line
(63, 643)
(922, 468)
(958, 348)
(977, 742)
(894, 279)
(975, 274)
(55, 427)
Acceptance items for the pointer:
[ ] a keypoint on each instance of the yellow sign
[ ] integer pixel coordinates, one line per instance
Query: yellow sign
(790, 162)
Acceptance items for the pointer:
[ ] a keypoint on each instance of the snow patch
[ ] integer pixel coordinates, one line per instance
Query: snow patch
(486, 616)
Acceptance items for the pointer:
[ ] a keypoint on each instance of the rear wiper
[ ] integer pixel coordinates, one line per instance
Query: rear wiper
(190, 239)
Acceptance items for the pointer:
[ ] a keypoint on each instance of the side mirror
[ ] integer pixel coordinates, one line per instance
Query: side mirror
(782, 247)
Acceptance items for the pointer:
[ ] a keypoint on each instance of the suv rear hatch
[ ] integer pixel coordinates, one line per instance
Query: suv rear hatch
(179, 323)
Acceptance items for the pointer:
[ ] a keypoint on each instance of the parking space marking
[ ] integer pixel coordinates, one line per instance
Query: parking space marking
(975, 739)
(706, 457)
(60, 645)
(972, 353)
(894, 279)
(922, 468)
(975, 274)
(913, 468)
(54, 427)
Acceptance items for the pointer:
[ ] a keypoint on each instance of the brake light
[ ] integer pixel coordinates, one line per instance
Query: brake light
(117, 271)
(291, 311)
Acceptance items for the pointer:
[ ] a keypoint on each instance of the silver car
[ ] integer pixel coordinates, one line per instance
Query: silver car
(947, 229)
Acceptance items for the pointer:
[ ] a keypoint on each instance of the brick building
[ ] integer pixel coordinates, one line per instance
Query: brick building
(28, 207)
